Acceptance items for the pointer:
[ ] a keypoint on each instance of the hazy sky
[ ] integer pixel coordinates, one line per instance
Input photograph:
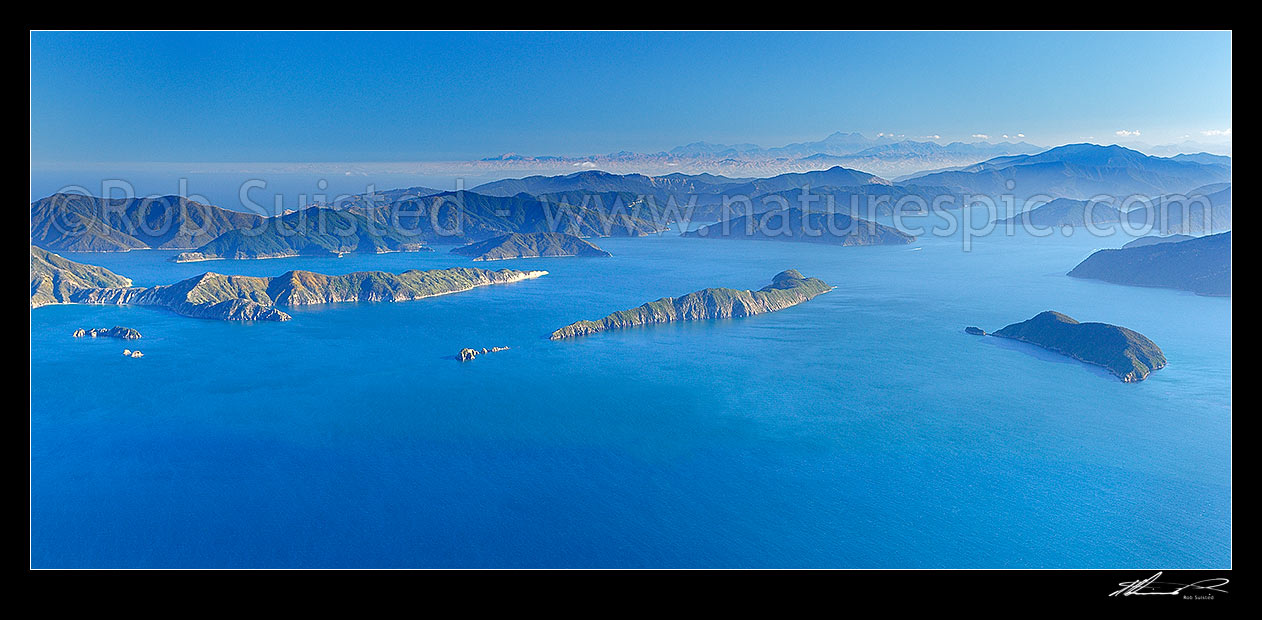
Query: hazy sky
(300, 97)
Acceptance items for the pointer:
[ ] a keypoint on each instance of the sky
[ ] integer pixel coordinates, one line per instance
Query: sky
(116, 97)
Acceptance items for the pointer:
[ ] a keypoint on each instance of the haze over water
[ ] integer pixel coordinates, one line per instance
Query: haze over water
(860, 429)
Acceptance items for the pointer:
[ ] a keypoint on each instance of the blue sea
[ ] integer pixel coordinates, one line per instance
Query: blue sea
(862, 429)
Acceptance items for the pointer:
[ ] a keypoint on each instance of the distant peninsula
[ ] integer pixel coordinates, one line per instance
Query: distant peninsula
(788, 288)
(252, 298)
(1201, 265)
(1128, 354)
(804, 226)
(530, 245)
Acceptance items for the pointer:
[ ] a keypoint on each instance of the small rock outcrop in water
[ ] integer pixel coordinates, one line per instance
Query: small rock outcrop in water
(976, 331)
(130, 353)
(530, 245)
(788, 288)
(252, 298)
(1125, 353)
(126, 333)
(467, 354)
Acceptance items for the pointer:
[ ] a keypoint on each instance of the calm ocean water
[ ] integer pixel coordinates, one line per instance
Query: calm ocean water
(860, 429)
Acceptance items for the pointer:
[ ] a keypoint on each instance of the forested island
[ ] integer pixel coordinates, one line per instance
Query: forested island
(1126, 353)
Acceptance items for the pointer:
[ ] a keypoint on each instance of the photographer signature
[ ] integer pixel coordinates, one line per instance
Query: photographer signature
(1152, 586)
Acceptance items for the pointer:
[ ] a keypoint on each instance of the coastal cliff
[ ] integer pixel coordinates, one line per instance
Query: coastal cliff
(788, 288)
(1128, 354)
(55, 279)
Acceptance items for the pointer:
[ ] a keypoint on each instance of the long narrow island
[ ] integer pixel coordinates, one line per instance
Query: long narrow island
(253, 298)
(789, 288)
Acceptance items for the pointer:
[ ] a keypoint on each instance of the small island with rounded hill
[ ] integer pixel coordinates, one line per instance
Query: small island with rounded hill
(1126, 353)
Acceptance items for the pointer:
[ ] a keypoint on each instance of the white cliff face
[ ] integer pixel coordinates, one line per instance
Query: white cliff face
(523, 275)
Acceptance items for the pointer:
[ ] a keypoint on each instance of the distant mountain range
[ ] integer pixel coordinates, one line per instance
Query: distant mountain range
(852, 144)
(1080, 171)
(599, 204)
(883, 155)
